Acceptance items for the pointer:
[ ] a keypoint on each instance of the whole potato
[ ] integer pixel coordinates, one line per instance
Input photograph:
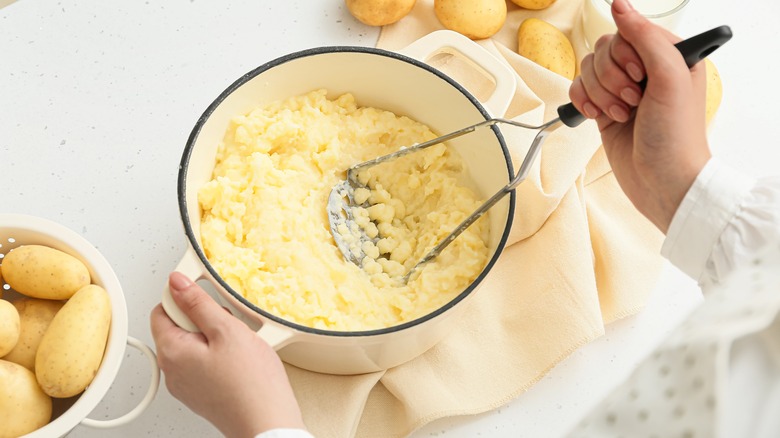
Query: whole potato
(544, 44)
(533, 4)
(42, 272)
(714, 90)
(23, 406)
(71, 350)
(9, 327)
(35, 315)
(476, 19)
(379, 12)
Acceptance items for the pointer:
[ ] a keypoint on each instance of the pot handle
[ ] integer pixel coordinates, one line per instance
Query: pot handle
(276, 337)
(189, 266)
(452, 43)
(145, 402)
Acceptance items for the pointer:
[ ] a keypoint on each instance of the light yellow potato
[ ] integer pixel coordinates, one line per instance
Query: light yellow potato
(71, 350)
(714, 90)
(35, 315)
(9, 327)
(379, 12)
(1, 281)
(533, 4)
(42, 272)
(477, 19)
(23, 406)
(544, 44)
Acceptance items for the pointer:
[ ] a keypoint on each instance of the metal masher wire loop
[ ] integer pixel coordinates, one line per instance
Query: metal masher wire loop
(352, 171)
(342, 199)
(522, 173)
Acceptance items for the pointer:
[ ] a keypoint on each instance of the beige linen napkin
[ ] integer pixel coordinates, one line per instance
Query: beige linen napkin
(580, 257)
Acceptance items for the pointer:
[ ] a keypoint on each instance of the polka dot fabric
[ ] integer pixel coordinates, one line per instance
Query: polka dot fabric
(688, 387)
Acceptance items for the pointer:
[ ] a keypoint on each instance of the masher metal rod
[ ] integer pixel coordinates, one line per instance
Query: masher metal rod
(351, 172)
(525, 168)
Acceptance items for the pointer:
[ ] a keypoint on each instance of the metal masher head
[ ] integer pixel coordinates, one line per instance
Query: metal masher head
(351, 236)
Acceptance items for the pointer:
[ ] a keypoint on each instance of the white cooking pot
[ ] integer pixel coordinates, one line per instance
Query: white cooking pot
(16, 230)
(405, 85)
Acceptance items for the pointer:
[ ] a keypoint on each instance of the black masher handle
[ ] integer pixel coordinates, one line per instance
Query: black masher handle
(693, 50)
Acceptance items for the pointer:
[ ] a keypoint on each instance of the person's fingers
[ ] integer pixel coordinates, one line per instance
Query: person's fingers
(163, 327)
(160, 323)
(598, 95)
(626, 57)
(174, 344)
(613, 77)
(654, 45)
(580, 100)
(204, 312)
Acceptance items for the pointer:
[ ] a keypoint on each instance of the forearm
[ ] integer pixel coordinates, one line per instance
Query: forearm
(725, 218)
(663, 192)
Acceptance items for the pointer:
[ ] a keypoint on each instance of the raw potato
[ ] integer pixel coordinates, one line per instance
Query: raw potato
(35, 315)
(477, 19)
(379, 12)
(714, 90)
(533, 4)
(9, 327)
(72, 348)
(544, 44)
(23, 406)
(42, 272)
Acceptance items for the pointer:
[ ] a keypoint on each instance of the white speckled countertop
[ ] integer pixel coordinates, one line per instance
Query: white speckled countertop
(97, 99)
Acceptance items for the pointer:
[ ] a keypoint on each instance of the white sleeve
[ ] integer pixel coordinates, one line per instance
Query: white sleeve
(285, 433)
(724, 220)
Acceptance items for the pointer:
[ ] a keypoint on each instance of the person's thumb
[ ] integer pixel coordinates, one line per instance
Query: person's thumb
(204, 312)
(653, 44)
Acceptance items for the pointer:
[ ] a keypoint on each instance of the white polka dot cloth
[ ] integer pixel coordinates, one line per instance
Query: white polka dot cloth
(717, 375)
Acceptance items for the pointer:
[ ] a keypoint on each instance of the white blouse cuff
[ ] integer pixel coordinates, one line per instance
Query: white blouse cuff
(704, 212)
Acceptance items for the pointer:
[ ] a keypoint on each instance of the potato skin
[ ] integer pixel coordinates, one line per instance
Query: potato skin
(379, 12)
(35, 315)
(23, 406)
(476, 19)
(42, 272)
(544, 44)
(9, 327)
(72, 348)
(533, 4)
(714, 90)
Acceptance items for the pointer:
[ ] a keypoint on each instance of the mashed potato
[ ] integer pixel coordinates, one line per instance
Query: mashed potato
(265, 226)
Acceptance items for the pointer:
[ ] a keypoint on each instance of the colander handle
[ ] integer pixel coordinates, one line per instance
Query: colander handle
(693, 50)
(452, 43)
(145, 402)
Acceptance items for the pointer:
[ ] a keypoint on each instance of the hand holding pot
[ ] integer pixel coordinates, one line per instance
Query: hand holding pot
(657, 151)
(226, 374)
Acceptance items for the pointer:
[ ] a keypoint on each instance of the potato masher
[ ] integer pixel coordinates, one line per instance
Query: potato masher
(341, 200)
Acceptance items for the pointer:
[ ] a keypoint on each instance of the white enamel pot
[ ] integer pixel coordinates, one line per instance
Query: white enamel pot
(16, 230)
(405, 85)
